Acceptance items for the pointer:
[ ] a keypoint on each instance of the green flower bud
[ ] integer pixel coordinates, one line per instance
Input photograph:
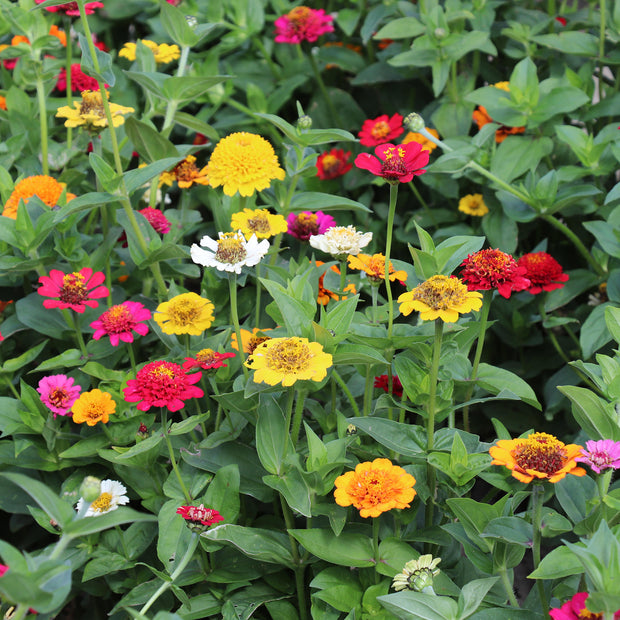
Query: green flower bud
(304, 122)
(90, 489)
(417, 575)
(414, 122)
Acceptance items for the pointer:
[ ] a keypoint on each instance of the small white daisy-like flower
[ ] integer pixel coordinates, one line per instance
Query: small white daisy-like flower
(230, 252)
(340, 241)
(111, 496)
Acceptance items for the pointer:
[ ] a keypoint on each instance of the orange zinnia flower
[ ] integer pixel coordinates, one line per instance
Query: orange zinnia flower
(427, 144)
(187, 173)
(374, 267)
(539, 455)
(92, 407)
(481, 118)
(44, 187)
(375, 487)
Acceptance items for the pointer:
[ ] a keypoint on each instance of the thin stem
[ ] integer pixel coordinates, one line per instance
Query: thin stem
(289, 409)
(388, 249)
(298, 416)
(347, 392)
(68, 59)
(20, 612)
(73, 322)
(259, 289)
(13, 389)
(171, 108)
(132, 358)
(374, 292)
(375, 545)
(173, 461)
(319, 80)
(343, 275)
(234, 315)
(537, 503)
(552, 337)
(503, 573)
(423, 202)
(42, 124)
(299, 569)
(368, 386)
(601, 43)
(272, 65)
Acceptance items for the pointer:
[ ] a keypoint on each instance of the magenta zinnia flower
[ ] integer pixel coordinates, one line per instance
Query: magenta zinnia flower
(156, 219)
(71, 8)
(58, 393)
(486, 270)
(396, 163)
(575, 609)
(119, 321)
(72, 290)
(302, 24)
(162, 384)
(305, 224)
(200, 514)
(207, 359)
(602, 454)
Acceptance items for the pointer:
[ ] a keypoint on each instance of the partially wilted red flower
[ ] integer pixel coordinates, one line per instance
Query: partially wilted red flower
(382, 382)
(396, 163)
(74, 290)
(199, 515)
(381, 129)
(156, 219)
(333, 164)
(207, 359)
(543, 271)
(493, 269)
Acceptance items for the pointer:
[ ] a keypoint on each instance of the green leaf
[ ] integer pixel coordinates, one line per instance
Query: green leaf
(612, 320)
(558, 563)
(187, 425)
(519, 154)
(106, 175)
(85, 447)
(14, 364)
(570, 42)
(595, 416)
(90, 525)
(348, 549)
(296, 314)
(419, 606)
(174, 535)
(495, 380)
(473, 594)
(594, 333)
(400, 28)
(293, 487)
(149, 142)
(104, 60)
(185, 88)
(223, 492)
(273, 441)
(357, 354)
(405, 439)
(174, 23)
(513, 530)
(339, 317)
(318, 201)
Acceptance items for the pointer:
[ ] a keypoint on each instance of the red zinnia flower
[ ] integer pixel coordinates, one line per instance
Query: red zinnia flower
(333, 164)
(382, 382)
(543, 271)
(305, 224)
(71, 8)
(207, 359)
(396, 163)
(381, 130)
(200, 514)
(562, 20)
(79, 80)
(156, 219)
(72, 290)
(302, 24)
(162, 384)
(493, 269)
(119, 321)
(575, 609)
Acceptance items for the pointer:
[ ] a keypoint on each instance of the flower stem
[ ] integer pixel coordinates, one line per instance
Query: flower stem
(20, 612)
(42, 124)
(537, 503)
(375, 544)
(343, 275)
(171, 108)
(69, 90)
(299, 569)
(298, 416)
(347, 392)
(388, 249)
(289, 409)
(423, 202)
(173, 461)
(374, 291)
(503, 573)
(369, 384)
(74, 324)
(259, 289)
(321, 84)
(234, 315)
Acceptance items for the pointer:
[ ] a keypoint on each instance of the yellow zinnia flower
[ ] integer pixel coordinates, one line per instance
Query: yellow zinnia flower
(163, 52)
(90, 112)
(245, 163)
(427, 144)
(287, 360)
(374, 267)
(440, 297)
(42, 186)
(259, 222)
(92, 407)
(187, 313)
(375, 487)
(473, 204)
(186, 173)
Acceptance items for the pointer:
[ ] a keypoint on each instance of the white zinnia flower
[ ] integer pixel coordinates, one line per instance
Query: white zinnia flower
(340, 241)
(230, 252)
(112, 496)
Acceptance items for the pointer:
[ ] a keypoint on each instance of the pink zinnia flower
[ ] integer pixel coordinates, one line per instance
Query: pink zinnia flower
(543, 271)
(79, 80)
(380, 130)
(200, 514)
(72, 290)
(207, 359)
(396, 163)
(119, 321)
(602, 454)
(58, 393)
(71, 8)
(575, 609)
(156, 219)
(382, 382)
(162, 384)
(302, 24)
(305, 224)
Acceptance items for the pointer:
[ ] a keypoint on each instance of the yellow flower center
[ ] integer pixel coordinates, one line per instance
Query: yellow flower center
(299, 15)
(588, 615)
(380, 130)
(259, 223)
(102, 503)
(92, 103)
(206, 356)
(183, 311)
(330, 162)
(541, 452)
(230, 249)
(73, 289)
(162, 371)
(441, 293)
(289, 356)
(58, 397)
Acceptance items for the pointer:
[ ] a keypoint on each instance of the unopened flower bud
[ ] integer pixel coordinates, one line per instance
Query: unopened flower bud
(414, 122)
(304, 122)
(90, 489)
(417, 575)
(440, 33)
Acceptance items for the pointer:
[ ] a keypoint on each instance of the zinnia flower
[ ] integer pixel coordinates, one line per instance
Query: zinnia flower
(543, 271)
(243, 162)
(71, 8)
(374, 267)
(259, 222)
(250, 340)
(333, 164)
(231, 252)
(162, 52)
(440, 297)
(302, 24)
(120, 321)
(539, 455)
(381, 382)
(421, 139)
(473, 204)
(481, 118)
(187, 173)
(58, 393)
(90, 113)
(79, 80)
(207, 359)
(92, 407)
(375, 487)
(162, 384)
(156, 219)
(72, 291)
(340, 241)
(287, 360)
(486, 270)
(576, 609)
(200, 515)
(396, 163)
(187, 313)
(305, 224)
(381, 130)
(2, 107)
(602, 454)
(44, 187)
(111, 497)
(417, 575)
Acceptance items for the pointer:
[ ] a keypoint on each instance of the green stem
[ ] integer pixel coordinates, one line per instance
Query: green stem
(550, 333)
(173, 461)
(289, 409)
(61, 545)
(503, 573)
(171, 108)
(602, 482)
(43, 124)
(74, 324)
(319, 80)
(12, 387)
(218, 415)
(272, 65)
(369, 384)
(299, 569)
(347, 392)
(20, 612)
(259, 289)
(601, 43)
(375, 545)
(343, 275)
(68, 59)
(132, 358)
(234, 315)
(298, 416)
(388, 250)
(374, 292)
(423, 202)
(537, 503)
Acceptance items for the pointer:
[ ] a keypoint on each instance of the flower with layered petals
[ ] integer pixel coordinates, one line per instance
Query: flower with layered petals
(186, 173)
(90, 113)
(473, 204)
(243, 162)
(120, 321)
(79, 80)
(374, 267)
(602, 454)
(58, 393)
(539, 455)
(375, 487)
(163, 52)
(543, 271)
(92, 407)
(382, 383)
(199, 518)
(44, 187)
(73, 291)
(187, 313)
(486, 270)
(417, 575)
(259, 222)
(162, 384)
(287, 360)
(71, 8)
(381, 130)
(156, 219)
(112, 495)
(333, 164)
(395, 163)
(305, 224)
(250, 339)
(207, 359)
(427, 145)
(324, 294)
(576, 609)
(440, 297)
(302, 24)
(231, 252)
(340, 241)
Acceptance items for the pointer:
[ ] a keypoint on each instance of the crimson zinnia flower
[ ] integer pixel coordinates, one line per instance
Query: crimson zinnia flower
(493, 269)
(199, 518)
(333, 164)
(119, 321)
(72, 290)
(207, 359)
(71, 8)
(79, 80)
(543, 271)
(156, 219)
(162, 384)
(302, 24)
(381, 129)
(382, 382)
(396, 163)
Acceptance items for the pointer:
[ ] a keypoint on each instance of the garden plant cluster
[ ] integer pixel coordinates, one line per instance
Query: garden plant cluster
(310, 311)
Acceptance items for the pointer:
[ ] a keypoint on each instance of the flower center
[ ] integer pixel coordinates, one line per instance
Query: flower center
(58, 397)
(92, 103)
(206, 356)
(541, 452)
(299, 15)
(373, 486)
(588, 615)
(475, 204)
(308, 224)
(162, 372)
(331, 163)
(394, 164)
(259, 223)
(230, 249)
(255, 341)
(102, 503)
(117, 319)
(441, 292)
(601, 459)
(73, 289)
(186, 170)
(289, 356)
(380, 130)
(200, 513)
(183, 311)
(492, 261)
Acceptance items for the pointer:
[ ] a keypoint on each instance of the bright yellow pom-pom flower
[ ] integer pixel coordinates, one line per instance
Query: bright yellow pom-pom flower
(187, 313)
(259, 222)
